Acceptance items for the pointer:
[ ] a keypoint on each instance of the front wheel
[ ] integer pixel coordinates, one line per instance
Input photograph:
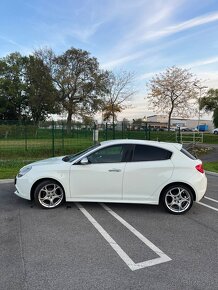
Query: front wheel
(49, 194)
(177, 199)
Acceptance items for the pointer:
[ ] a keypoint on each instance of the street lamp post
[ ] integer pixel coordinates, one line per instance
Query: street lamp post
(199, 102)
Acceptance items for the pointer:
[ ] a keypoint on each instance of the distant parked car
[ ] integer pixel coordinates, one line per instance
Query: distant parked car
(215, 131)
(184, 129)
(194, 129)
(121, 171)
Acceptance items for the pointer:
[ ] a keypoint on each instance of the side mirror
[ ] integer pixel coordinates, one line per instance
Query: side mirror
(84, 161)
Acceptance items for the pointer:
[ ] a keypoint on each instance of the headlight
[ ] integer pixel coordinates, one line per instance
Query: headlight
(24, 170)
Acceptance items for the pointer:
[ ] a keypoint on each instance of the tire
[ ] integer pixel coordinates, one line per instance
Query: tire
(177, 199)
(215, 132)
(49, 194)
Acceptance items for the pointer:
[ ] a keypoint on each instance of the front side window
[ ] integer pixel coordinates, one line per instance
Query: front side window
(150, 153)
(110, 154)
(71, 158)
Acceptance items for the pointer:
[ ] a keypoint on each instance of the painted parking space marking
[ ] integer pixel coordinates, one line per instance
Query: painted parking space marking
(206, 205)
(209, 206)
(122, 254)
(209, 198)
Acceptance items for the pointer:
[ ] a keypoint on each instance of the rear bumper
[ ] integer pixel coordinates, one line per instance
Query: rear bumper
(200, 188)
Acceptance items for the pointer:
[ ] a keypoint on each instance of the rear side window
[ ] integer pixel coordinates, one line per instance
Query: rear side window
(188, 154)
(150, 153)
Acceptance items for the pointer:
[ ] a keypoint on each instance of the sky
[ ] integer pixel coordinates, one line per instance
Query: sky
(140, 36)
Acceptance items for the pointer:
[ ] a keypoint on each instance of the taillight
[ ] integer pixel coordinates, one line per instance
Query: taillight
(200, 168)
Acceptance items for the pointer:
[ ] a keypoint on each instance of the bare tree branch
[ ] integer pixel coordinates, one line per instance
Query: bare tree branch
(173, 92)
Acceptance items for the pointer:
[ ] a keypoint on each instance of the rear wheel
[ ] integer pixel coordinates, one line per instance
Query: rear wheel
(49, 194)
(177, 199)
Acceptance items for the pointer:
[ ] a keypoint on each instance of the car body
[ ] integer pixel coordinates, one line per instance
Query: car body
(121, 171)
(215, 131)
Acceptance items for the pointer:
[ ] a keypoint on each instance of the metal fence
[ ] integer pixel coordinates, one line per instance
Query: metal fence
(25, 140)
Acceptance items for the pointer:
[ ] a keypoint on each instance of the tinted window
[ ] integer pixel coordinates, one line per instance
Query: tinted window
(110, 154)
(188, 154)
(150, 153)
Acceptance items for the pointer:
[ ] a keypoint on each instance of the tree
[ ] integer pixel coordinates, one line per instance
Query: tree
(138, 122)
(120, 89)
(173, 92)
(12, 87)
(210, 104)
(88, 120)
(80, 83)
(41, 93)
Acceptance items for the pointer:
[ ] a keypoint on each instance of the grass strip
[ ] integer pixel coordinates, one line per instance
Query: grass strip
(10, 168)
(211, 166)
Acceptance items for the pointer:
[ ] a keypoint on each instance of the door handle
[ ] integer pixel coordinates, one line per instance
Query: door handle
(114, 170)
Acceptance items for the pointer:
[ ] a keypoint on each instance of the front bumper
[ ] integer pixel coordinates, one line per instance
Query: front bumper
(23, 188)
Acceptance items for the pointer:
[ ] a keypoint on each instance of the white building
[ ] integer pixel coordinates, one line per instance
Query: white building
(161, 121)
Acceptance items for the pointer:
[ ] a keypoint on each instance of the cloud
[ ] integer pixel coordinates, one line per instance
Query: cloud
(202, 62)
(209, 79)
(194, 22)
(84, 34)
(149, 31)
(14, 46)
(196, 64)
(207, 74)
(121, 60)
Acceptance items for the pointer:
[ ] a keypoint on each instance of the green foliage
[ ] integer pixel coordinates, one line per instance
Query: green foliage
(12, 87)
(26, 89)
(32, 87)
(215, 117)
(210, 104)
(79, 81)
(41, 93)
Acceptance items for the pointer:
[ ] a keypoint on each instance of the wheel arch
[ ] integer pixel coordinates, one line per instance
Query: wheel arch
(174, 184)
(41, 180)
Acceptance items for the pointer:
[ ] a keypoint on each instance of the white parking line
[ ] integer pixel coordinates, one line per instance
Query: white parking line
(211, 207)
(209, 198)
(129, 262)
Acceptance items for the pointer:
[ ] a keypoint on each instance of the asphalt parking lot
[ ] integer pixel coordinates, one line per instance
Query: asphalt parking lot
(112, 246)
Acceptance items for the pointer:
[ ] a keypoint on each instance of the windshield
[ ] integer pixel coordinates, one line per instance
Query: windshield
(71, 158)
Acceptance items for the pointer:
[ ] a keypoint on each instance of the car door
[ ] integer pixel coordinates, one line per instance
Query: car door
(150, 168)
(102, 177)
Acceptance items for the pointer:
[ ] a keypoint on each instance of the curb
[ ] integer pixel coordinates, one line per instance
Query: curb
(6, 181)
(211, 173)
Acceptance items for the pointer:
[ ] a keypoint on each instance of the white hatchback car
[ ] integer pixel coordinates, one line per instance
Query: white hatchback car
(121, 171)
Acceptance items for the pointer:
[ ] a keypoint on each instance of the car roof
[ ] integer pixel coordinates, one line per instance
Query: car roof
(166, 145)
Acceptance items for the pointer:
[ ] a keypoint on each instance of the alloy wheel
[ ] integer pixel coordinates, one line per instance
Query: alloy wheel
(50, 195)
(178, 199)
